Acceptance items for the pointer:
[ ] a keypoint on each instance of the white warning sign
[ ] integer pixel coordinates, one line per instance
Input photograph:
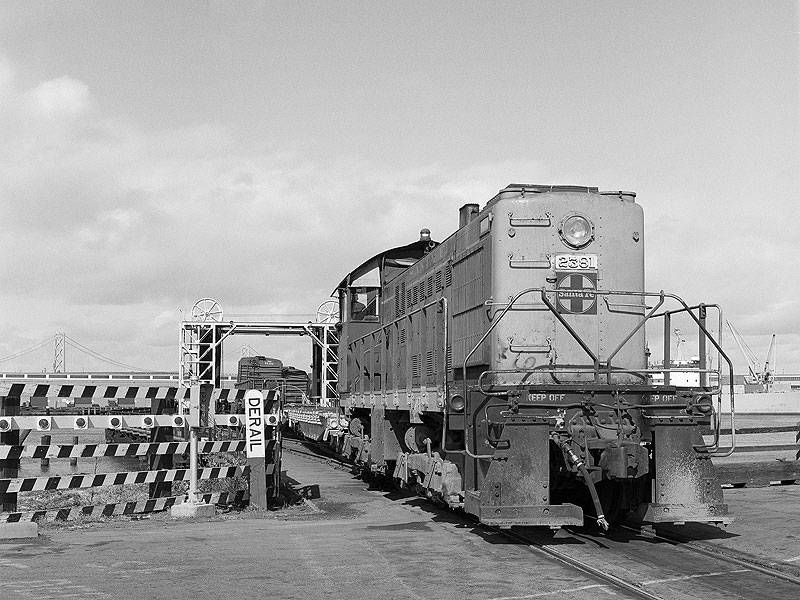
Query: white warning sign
(254, 424)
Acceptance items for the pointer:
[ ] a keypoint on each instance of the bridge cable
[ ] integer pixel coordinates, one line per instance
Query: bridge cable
(78, 346)
(27, 350)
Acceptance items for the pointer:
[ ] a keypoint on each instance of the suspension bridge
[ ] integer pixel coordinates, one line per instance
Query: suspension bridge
(60, 342)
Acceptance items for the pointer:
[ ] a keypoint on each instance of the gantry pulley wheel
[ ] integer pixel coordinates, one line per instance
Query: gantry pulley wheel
(328, 312)
(207, 309)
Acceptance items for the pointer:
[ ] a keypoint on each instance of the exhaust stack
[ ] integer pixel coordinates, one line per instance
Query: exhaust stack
(466, 213)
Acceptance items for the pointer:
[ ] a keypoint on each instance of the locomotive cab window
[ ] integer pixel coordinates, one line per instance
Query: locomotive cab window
(364, 304)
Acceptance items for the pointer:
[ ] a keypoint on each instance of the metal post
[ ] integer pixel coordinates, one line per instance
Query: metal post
(701, 345)
(667, 341)
(73, 462)
(44, 461)
(159, 406)
(9, 467)
(193, 465)
(259, 497)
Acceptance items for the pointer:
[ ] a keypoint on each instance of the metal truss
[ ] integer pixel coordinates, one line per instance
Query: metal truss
(201, 349)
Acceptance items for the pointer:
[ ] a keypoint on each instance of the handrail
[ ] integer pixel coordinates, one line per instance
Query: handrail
(606, 367)
(574, 334)
(466, 360)
(632, 333)
(727, 451)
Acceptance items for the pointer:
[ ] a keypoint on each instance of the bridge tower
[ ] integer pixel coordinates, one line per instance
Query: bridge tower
(59, 353)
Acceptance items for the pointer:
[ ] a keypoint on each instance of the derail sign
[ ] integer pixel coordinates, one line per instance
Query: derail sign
(254, 424)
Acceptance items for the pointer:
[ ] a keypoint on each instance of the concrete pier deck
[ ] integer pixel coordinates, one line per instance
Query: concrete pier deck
(346, 541)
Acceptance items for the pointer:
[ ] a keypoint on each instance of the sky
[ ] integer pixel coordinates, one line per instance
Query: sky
(255, 152)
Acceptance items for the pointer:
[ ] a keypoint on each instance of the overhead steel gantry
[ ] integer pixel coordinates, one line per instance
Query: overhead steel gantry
(201, 346)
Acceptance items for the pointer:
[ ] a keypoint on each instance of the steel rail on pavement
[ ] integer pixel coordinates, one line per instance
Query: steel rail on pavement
(613, 580)
(689, 545)
(608, 578)
(333, 461)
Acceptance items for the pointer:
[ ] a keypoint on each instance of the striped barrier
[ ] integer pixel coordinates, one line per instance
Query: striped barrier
(116, 450)
(61, 421)
(158, 446)
(120, 508)
(94, 391)
(72, 482)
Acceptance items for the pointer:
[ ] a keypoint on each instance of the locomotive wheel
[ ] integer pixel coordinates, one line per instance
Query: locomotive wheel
(356, 427)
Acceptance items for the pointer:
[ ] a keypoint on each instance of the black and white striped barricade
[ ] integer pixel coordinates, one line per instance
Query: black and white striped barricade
(79, 422)
(121, 508)
(92, 393)
(12, 451)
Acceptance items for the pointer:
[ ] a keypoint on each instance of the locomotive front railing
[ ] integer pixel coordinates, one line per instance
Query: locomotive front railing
(600, 368)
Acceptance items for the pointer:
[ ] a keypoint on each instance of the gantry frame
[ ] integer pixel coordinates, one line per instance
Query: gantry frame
(201, 350)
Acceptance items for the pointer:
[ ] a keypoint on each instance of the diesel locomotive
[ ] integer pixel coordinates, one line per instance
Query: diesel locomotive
(505, 370)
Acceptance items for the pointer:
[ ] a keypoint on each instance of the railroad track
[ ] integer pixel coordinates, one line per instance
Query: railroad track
(300, 447)
(643, 567)
(727, 555)
(320, 453)
(631, 563)
(608, 578)
(671, 569)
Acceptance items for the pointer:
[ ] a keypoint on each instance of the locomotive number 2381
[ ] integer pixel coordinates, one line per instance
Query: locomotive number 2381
(572, 262)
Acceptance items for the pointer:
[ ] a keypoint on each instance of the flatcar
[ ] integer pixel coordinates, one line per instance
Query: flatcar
(505, 370)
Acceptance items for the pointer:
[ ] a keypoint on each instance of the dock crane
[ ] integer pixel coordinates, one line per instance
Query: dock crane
(763, 376)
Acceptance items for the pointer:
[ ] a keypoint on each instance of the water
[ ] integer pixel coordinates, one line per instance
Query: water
(31, 467)
(761, 420)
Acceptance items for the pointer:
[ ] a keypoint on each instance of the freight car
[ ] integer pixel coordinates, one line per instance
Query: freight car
(264, 373)
(505, 370)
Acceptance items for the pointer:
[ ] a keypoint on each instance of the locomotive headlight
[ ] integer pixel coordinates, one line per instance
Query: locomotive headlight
(576, 231)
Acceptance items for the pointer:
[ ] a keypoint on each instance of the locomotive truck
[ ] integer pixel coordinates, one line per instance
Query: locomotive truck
(505, 370)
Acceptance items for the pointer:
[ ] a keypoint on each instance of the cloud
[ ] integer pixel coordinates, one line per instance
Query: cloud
(61, 98)
(107, 231)
(7, 73)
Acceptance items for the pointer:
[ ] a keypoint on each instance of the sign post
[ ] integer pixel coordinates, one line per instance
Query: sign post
(256, 447)
(254, 424)
(193, 507)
